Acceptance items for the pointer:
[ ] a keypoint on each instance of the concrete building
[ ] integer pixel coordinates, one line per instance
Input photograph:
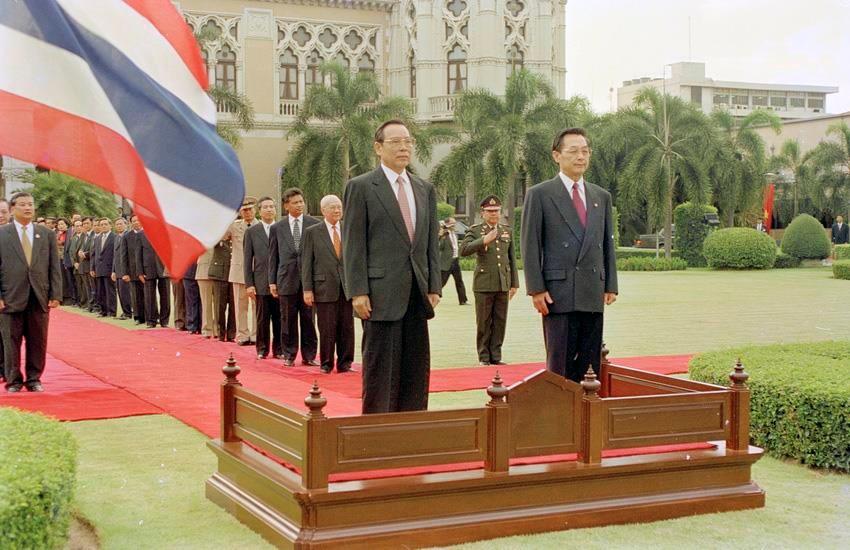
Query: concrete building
(807, 131)
(688, 81)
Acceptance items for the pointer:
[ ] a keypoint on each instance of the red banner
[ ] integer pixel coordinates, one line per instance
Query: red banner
(768, 207)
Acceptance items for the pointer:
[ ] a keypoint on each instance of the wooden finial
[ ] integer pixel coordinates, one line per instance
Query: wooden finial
(590, 384)
(231, 370)
(738, 376)
(315, 401)
(497, 391)
(605, 352)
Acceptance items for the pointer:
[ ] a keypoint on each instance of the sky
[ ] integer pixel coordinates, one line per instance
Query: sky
(768, 41)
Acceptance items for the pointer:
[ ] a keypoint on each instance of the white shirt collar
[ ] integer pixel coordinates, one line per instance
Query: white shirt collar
(293, 218)
(29, 227)
(331, 226)
(393, 176)
(569, 183)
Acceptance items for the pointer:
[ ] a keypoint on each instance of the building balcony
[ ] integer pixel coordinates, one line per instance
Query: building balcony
(442, 107)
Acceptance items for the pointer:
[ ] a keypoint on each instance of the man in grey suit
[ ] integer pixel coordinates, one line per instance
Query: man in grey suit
(30, 284)
(392, 273)
(322, 276)
(103, 258)
(119, 269)
(285, 280)
(568, 255)
(256, 270)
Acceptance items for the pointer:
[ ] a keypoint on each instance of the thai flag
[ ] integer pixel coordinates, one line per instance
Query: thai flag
(113, 92)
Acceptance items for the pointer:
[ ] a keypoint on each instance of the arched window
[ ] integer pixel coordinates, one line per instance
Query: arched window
(456, 70)
(515, 59)
(225, 69)
(365, 64)
(456, 7)
(288, 85)
(342, 60)
(313, 76)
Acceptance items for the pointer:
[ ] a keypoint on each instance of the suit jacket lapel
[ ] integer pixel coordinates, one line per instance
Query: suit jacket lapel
(564, 203)
(592, 200)
(326, 238)
(287, 232)
(388, 199)
(36, 243)
(16, 240)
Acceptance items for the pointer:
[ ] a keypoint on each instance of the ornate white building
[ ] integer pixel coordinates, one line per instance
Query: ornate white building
(426, 50)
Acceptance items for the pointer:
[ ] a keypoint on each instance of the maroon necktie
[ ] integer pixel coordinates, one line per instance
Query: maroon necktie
(580, 209)
(404, 205)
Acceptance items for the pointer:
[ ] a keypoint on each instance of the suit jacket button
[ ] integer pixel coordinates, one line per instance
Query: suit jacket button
(577, 268)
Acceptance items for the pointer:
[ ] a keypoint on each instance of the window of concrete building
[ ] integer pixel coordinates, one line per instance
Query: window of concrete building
(456, 70)
(740, 98)
(225, 68)
(514, 6)
(696, 95)
(288, 85)
(778, 100)
(301, 36)
(342, 60)
(313, 76)
(412, 63)
(211, 30)
(815, 101)
(515, 59)
(365, 64)
(327, 38)
(456, 7)
(759, 99)
(353, 40)
(720, 99)
(798, 102)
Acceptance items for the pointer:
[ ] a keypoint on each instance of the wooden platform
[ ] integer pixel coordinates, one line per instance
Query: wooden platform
(276, 465)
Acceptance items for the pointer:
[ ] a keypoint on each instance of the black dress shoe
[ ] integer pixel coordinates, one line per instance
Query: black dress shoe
(310, 363)
(35, 387)
(340, 370)
(498, 363)
(279, 356)
(288, 362)
(14, 389)
(140, 322)
(463, 304)
(164, 325)
(151, 325)
(483, 363)
(327, 369)
(260, 356)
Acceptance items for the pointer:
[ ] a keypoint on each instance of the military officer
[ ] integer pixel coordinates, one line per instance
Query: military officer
(495, 281)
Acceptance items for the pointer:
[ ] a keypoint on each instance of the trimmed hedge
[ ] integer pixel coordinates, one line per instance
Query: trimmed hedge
(445, 210)
(691, 231)
(784, 260)
(842, 252)
(632, 252)
(841, 269)
(739, 248)
(806, 238)
(38, 462)
(800, 397)
(468, 263)
(651, 264)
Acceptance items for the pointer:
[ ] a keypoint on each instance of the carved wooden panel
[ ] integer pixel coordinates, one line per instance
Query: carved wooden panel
(626, 382)
(545, 415)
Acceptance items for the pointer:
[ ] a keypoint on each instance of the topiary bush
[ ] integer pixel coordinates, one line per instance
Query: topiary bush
(784, 260)
(806, 238)
(841, 269)
(445, 210)
(842, 252)
(38, 460)
(691, 231)
(800, 397)
(651, 264)
(739, 248)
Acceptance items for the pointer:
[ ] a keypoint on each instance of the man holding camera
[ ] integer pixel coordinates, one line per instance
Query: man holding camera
(449, 265)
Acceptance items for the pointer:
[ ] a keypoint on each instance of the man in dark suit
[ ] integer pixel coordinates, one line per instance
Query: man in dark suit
(192, 298)
(392, 273)
(255, 265)
(30, 284)
(133, 269)
(103, 257)
(225, 318)
(322, 276)
(155, 280)
(119, 269)
(840, 232)
(449, 262)
(285, 280)
(81, 267)
(568, 255)
(86, 266)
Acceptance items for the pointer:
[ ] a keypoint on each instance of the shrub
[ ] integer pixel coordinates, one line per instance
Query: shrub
(805, 238)
(800, 398)
(842, 252)
(631, 252)
(784, 260)
(37, 469)
(691, 231)
(468, 263)
(445, 210)
(739, 248)
(651, 264)
(841, 269)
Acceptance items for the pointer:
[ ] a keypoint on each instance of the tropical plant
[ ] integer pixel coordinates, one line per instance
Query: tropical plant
(506, 139)
(56, 194)
(799, 166)
(829, 189)
(806, 238)
(671, 144)
(738, 171)
(335, 131)
(739, 248)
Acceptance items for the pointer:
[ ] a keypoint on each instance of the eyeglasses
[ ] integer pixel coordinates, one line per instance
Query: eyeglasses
(575, 151)
(395, 142)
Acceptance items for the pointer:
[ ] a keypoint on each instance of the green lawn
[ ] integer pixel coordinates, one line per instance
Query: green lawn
(141, 479)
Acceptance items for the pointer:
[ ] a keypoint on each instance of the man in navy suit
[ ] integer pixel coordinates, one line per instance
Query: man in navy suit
(568, 255)
(255, 265)
(103, 258)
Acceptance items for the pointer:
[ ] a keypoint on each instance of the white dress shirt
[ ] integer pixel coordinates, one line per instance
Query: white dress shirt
(292, 224)
(30, 231)
(569, 183)
(268, 226)
(408, 190)
(453, 240)
(330, 229)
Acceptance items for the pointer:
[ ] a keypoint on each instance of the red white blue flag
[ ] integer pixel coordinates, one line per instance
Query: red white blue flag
(113, 92)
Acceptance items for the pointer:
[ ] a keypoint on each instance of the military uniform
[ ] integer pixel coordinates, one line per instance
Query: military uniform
(495, 275)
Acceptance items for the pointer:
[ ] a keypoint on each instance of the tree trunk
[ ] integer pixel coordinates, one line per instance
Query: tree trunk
(730, 218)
(668, 212)
(510, 199)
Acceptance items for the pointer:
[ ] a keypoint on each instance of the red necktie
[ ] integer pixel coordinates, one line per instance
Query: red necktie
(580, 209)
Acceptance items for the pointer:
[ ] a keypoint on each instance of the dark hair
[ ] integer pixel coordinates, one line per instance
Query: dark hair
(556, 144)
(119, 218)
(19, 195)
(105, 219)
(66, 220)
(261, 200)
(133, 216)
(291, 192)
(379, 133)
(86, 218)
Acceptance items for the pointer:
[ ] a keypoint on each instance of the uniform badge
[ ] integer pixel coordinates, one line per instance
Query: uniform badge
(595, 205)
(37, 236)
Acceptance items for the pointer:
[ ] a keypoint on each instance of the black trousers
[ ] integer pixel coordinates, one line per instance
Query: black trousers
(179, 304)
(293, 311)
(137, 294)
(106, 295)
(226, 316)
(94, 298)
(82, 286)
(573, 342)
(192, 297)
(14, 327)
(69, 288)
(397, 361)
(336, 332)
(125, 297)
(153, 313)
(491, 318)
(455, 272)
(268, 309)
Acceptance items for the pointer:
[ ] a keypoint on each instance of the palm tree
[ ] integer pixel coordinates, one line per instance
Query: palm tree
(57, 194)
(335, 131)
(829, 189)
(799, 165)
(738, 170)
(506, 138)
(673, 145)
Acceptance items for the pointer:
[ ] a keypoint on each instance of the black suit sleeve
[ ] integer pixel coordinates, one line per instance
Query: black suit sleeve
(273, 254)
(435, 283)
(307, 259)
(530, 237)
(55, 273)
(354, 240)
(248, 259)
(609, 250)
